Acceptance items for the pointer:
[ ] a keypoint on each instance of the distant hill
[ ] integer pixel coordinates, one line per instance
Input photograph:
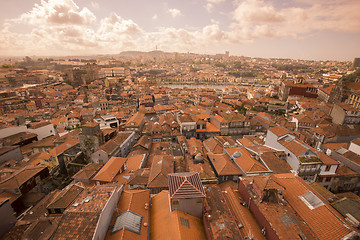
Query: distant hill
(139, 53)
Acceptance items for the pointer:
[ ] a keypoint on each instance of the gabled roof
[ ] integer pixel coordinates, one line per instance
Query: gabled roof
(268, 182)
(249, 165)
(65, 197)
(121, 137)
(109, 146)
(323, 220)
(213, 145)
(21, 176)
(140, 177)
(109, 171)
(185, 185)
(294, 146)
(223, 165)
(326, 159)
(246, 142)
(134, 162)
(161, 166)
(279, 131)
(64, 146)
(144, 141)
(131, 216)
(179, 225)
(135, 119)
(88, 171)
(226, 140)
(304, 118)
(77, 225)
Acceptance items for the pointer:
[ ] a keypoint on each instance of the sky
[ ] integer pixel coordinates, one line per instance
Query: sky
(297, 29)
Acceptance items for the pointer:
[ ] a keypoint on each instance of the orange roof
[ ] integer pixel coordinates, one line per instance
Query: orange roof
(223, 165)
(248, 164)
(323, 220)
(64, 146)
(134, 163)
(326, 159)
(213, 145)
(161, 166)
(242, 215)
(136, 119)
(219, 118)
(179, 225)
(211, 127)
(245, 142)
(279, 131)
(185, 185)
(109, 171)
(136, 201)
(294, 146)
(356, 141)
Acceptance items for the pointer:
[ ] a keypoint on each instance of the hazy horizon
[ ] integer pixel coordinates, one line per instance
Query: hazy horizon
(294, 29)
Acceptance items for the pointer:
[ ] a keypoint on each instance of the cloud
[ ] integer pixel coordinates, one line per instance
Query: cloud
(175, 12)
(210, 4)
(154, 17)
(63, 28)
(114, 28)
(57, 12)
(95, 5)
(258, 18)
(257, 11)
(209, 7)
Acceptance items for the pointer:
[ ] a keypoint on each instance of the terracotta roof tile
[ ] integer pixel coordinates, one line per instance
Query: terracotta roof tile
(223, 165)
(161, 166)
(323, 220)
(65, 197)
(218, 217)
(179, 225)
(185, 185)
(136, 201)
(74, 225)
(88, 171)
(279, 131)
(109, 171)
(134, 162)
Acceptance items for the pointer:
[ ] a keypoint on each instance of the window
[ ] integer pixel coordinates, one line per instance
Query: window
(175, 203)
(328, 179)
(327, 168)
(185, 222)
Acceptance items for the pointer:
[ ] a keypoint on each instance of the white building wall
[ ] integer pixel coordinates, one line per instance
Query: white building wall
(272, 141)
(332, 170)
(5, 132)
(42, 132)
(106, 215)
(354, 148)
(99, 157)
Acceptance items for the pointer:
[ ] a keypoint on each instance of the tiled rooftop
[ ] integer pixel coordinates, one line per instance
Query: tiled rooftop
(76, 225)
(185, 185)
(109, 171)
(223, 165)
(65, 197)
(136, 201)
(221, 223)
(179, 225)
